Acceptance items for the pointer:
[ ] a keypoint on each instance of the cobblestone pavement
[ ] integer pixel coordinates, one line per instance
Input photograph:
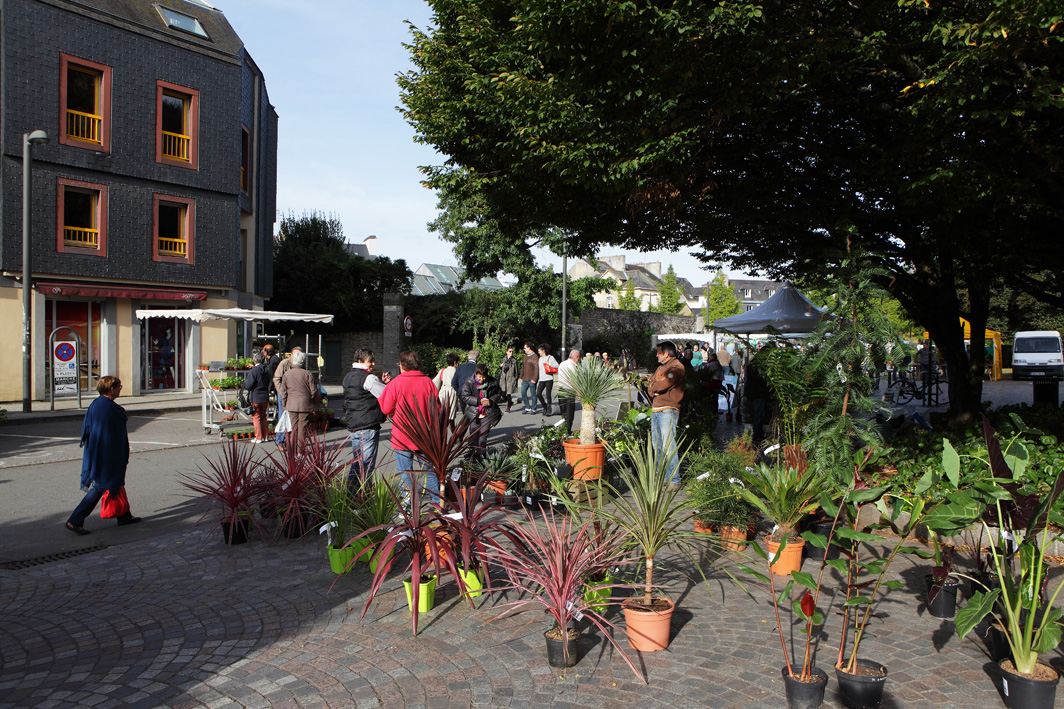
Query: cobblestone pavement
(179, 621)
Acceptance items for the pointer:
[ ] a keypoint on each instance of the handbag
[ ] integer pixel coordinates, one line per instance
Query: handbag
(549, 369)
(242, 401)
(112, 506)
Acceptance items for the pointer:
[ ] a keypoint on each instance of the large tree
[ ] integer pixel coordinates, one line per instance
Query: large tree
(929, 136)
(721, 301)
(313, 272)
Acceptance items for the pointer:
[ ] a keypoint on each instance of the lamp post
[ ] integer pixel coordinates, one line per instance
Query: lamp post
(37, 137)
(565, 276)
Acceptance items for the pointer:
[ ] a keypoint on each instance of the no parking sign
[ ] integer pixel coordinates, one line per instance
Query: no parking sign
(65, 368)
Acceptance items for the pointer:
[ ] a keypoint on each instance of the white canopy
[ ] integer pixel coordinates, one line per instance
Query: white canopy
(787, 311)
(233, 314)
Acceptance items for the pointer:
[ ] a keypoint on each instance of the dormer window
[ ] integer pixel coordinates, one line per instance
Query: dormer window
(180, 21)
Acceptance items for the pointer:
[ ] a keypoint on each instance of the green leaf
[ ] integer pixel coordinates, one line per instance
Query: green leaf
(805, 579)
(818, 618)
(837, 564)
(971, 615)
(958, 511)
(951, 462)
(894, 585)
(817, 540)
(862, 496)
(847, 533)
(922, 553)
(1049, 638)
(756, 574)
(925, 482)
(858, 600)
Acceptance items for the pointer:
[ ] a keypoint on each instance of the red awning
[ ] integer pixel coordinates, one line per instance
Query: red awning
(107, 291)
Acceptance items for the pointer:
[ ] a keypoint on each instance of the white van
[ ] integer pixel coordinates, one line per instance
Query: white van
(1036, 354)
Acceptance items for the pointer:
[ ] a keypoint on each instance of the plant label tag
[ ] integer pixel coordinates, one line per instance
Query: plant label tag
(553, 500)
(407, 534)
(737, 481)
(454, 515)
(578, 616)
(326, 527)
(703, 476)
(524, 473)
(1005, 686)
(456, 475)
(528, 499)
(568, 605)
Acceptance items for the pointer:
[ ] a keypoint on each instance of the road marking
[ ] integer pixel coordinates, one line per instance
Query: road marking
(48, 438)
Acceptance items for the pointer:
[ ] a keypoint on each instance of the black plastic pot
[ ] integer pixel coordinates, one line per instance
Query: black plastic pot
(942, 600)
(805, 695)
(815, 553)
(997, 644)
(239, 532)
(862, 691)
(556, 651)
(1027, 693)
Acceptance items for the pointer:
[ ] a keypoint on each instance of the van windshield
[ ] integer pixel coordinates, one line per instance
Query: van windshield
(1037, 344)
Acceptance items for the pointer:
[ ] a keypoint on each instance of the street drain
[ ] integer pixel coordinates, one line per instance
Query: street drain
(27, 563)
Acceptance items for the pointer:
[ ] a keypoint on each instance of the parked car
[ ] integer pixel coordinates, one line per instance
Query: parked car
(1037, 354)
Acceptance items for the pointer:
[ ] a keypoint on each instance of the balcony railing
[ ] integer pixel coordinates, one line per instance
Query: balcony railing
(176, 146)
(82, 238)
(173, 247)
(84, 126)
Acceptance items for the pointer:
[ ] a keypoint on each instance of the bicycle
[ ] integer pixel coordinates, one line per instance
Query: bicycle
(905, 389)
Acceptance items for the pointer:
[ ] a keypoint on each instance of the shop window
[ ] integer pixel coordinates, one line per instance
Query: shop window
(85, 104)
(81, 213)
(174, 229)
(177, 125)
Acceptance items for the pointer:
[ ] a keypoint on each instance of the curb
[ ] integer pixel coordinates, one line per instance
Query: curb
(21, 419)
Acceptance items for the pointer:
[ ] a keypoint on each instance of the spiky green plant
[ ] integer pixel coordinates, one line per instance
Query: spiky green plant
(590, 383)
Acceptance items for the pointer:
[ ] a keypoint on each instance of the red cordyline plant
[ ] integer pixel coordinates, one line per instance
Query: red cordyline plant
(550, 562)
(294, 480)
(475, 526)
(439, 441)
(419, 536)
(232, 485)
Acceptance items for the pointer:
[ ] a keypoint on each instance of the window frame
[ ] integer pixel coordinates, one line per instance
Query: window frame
(245, 159)
(61, 246)
(192, 118)
(190, 229)
(104, 73)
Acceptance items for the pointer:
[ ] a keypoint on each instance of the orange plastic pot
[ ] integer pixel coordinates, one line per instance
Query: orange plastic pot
(791, 558)
(702, 527)
(587, 460)
(648, 631)
(734, 538)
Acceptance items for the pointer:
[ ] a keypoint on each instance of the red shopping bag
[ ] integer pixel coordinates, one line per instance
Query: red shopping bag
(114, 505)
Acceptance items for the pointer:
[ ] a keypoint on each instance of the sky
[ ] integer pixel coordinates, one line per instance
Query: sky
(343, 147)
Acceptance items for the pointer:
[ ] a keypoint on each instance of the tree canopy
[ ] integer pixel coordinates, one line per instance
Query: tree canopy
(313, 272)
(670, 299)
(929, 136)
(720, 300)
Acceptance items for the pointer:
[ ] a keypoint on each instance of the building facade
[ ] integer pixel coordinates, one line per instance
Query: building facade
(644, 279)
(156, 189)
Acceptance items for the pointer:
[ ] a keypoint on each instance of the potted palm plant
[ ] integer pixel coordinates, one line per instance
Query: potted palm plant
(548, 564)
(590, 383)
(1020, 604)
(785, 495)
(231, 487)
(653, 515)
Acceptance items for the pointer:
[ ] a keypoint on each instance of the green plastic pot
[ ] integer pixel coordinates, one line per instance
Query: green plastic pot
(426, 599)
(473, 581)
(597, 595)
(341, 560)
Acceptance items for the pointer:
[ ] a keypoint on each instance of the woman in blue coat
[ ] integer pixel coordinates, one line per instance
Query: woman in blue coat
(106, 444)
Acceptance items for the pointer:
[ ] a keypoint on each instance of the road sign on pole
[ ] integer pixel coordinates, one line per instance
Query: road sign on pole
(408, 326)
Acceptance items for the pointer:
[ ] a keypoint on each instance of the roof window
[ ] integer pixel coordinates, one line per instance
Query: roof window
(180, 21)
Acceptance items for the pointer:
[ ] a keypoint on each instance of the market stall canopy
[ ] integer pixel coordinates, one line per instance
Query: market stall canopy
(233, 314)
(786, 311)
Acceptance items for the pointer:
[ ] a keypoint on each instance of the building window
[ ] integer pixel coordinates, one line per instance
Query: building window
(81, 213)
(174, 229)
(747, 292)
(177, 125)
(768, 292)
(609, 301)
(85, 104)
(245, 160)
(180, 21)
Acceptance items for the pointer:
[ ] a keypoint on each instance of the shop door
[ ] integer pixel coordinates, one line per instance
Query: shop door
(83, 318)
(163, 362)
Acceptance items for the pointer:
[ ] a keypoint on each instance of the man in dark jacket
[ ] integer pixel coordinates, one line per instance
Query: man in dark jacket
(480, 396)
(461, 374)
(363, 414)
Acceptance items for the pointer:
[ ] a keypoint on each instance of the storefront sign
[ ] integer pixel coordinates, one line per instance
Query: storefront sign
(65, 368)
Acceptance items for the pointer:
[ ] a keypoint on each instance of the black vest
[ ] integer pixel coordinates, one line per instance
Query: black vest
(362, 409)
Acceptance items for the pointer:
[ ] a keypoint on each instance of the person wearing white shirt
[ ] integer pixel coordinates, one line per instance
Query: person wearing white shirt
(547, 367)
(566, 402)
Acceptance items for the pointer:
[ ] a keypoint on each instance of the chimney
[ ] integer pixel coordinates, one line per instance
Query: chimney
(615, 262)
(371, 244)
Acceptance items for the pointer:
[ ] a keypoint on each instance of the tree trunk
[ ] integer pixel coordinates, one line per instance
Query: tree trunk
(587, 425)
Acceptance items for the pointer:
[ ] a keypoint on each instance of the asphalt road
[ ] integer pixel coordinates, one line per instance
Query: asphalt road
(40, 472)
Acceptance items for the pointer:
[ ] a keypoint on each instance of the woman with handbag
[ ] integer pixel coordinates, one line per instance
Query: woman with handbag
(480, 397)
(548, 367)
(448, 397)
(103, 465)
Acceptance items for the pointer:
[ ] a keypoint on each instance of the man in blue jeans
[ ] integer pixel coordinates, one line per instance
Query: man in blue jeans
(666, 395)
(529, 378)
(363, 415)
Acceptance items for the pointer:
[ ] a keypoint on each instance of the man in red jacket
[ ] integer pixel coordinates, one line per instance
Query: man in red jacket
(406, 393)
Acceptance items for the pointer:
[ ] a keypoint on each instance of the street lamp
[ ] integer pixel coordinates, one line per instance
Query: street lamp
(37, 137)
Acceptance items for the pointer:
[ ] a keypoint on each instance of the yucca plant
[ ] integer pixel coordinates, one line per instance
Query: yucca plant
(590, 382)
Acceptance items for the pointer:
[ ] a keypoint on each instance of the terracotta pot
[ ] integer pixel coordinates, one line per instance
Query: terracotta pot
(648, 631)
(790, 560)
(702, 527)
(587, 461)
(733, 538)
